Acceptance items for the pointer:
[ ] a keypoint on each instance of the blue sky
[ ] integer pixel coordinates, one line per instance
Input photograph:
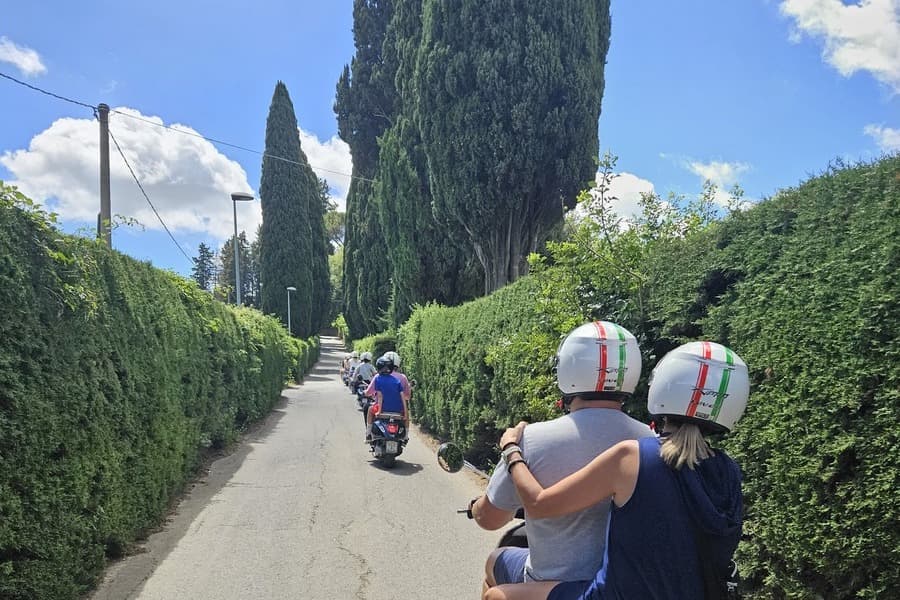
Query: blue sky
(759, 93)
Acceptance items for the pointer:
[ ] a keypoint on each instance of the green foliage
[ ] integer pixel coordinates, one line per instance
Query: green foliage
(507, 96)
(429, 261)
(293, 248)
(377, 344)
(471, 379)
(364, 106)
(249, 275)
(203, 271)
(114, 377)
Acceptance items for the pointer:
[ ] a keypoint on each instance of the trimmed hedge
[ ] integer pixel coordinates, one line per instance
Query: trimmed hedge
(114, 377)
(377, 344)
(806, 288)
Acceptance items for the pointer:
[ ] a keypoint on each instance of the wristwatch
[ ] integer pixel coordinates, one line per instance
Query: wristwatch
(510, 449)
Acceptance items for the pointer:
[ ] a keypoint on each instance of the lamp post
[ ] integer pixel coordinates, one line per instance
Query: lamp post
(290, 289)
(235, 198)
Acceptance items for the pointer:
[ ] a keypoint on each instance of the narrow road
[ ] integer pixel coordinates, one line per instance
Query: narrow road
(302, 511)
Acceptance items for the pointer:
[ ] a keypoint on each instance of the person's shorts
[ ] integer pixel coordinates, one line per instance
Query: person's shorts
(573, 590)
(510, 566)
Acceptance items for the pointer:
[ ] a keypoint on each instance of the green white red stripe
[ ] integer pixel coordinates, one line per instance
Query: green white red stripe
(601, 375)
(701, 380)
(602, 334)
(723, 386)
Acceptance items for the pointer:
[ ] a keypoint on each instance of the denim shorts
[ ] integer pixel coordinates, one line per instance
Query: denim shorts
(510, 566)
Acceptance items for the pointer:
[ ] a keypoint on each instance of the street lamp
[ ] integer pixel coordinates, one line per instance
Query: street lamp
(235, 198)
(290, 289)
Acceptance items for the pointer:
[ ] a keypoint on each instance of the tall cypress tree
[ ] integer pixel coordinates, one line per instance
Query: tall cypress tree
(364, 106)
(507, 101)
(430, 260)
(289, 250)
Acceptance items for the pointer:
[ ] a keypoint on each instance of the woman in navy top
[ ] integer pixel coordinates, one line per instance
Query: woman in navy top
(667, 494)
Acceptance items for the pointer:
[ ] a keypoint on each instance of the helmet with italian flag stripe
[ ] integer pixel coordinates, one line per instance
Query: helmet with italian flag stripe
(700, 382)
(598, 361)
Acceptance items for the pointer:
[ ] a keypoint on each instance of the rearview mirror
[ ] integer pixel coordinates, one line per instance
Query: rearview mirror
(450, 457)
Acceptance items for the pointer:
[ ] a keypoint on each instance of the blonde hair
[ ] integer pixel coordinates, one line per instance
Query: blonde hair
(685, 446)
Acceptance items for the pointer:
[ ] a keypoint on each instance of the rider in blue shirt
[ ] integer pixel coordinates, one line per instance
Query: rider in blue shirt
(388, 393)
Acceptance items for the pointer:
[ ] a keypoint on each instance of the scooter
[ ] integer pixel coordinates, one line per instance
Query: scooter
(388, 437)
(359, 388)
(451, 459)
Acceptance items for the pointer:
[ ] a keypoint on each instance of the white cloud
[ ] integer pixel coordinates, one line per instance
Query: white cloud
(624, 196)
(25, 59)
(330, 160)
(887, 139)
(187, 178)
(858, 37)
(723, 174)
(627, 189)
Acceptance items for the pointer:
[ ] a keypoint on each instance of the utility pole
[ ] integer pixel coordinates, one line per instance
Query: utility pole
(104, 231)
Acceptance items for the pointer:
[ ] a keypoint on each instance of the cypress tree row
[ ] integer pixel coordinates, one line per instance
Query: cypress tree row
(291, 238)
(364, 106)
(507, 102)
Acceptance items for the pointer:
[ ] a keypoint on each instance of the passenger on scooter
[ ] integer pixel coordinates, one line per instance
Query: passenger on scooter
(351, 367)
(345, 368)
(365, 371)
(677, 504)
(388, 394)
(398, 375)
(598, 367)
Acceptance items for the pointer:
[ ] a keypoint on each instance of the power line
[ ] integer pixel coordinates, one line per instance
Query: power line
(37, 89)
(236, 146)
(138, 182)
(183, 132)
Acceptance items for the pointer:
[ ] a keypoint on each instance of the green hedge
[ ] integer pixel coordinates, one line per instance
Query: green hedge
(114, 377)
(377, 344)
(806, 288)
(471, 378)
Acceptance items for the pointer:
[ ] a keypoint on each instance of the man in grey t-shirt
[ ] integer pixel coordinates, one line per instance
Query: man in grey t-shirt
(598, 366)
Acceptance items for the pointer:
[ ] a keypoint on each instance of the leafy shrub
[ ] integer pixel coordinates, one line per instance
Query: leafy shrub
(113, 377)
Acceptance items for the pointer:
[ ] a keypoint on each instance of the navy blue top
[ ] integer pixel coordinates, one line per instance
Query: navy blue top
(391, 390)
(651, 551)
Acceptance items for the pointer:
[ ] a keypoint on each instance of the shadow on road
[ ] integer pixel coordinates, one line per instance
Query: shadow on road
(400, 467)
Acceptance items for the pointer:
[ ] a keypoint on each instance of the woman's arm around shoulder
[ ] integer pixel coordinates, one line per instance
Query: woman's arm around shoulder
(612, 474)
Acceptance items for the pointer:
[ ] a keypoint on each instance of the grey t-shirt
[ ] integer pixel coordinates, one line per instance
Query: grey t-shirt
(568, 548)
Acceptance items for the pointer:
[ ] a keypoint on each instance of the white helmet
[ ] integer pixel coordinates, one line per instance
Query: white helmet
(601, 359)
(366, 356)
(393, 356)
(354, 354)
(702, 382)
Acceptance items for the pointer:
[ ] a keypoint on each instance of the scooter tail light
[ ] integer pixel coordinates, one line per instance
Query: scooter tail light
(393, 428)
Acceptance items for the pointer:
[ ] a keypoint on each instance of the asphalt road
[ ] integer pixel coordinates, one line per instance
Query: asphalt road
(300, 510)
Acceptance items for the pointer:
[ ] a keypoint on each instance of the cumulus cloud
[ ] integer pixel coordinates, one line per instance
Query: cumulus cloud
(625, 194)
(858, 37)
(187, 178)
(723, 174)
(25, 59)
(330, 160)
(627, 189)
(887, 139)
